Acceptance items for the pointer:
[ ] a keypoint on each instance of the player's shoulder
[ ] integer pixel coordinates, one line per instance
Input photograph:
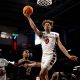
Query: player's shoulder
(51, 33)
(20, 60)
(3, 59)
(55, 33)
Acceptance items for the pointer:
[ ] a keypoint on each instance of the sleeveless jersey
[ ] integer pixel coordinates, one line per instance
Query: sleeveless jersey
(48, 42)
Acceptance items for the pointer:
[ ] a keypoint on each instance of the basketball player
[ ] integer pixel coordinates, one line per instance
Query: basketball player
(26, 64)
(49, 40)
(3, 64)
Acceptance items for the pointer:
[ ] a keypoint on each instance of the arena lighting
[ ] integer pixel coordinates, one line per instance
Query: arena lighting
(5, 35)
(15, 41)
(14, 34)
(15, 45)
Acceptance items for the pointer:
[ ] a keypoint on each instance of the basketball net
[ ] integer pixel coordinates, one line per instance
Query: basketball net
(44, 2)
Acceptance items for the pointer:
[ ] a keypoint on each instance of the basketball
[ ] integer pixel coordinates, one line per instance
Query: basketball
(28, 10)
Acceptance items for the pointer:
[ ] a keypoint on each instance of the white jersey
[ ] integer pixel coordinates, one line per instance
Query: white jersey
(48, 42)
(3, 63)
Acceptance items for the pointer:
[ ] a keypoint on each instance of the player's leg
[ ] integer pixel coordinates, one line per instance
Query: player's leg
(46, 76)
(55, 76)
(46, 59)
(43, 73)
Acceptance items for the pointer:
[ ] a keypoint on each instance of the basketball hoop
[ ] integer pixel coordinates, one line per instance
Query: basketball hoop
(44, 2)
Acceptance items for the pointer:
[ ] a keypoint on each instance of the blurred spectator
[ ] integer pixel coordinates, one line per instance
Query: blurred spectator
(25, 66)
(3, 64)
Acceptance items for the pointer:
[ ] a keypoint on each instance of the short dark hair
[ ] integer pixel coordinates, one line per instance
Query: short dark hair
(47, 21)
(26, 51)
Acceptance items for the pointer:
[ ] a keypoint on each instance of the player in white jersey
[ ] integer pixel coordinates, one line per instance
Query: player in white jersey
(49, 40)
(3, 63)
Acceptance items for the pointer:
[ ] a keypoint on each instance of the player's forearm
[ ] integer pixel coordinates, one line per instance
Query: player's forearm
(35, 64)
(38, 64)
(32, 24)
(32, 64)
(63, 49)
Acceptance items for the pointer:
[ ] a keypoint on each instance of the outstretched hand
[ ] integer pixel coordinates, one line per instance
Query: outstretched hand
(73, 58)
(25, 14)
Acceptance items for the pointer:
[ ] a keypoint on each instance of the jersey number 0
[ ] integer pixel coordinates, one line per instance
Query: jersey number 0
(47, 41)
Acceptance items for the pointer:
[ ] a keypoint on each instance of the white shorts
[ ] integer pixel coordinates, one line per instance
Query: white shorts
(48, 60)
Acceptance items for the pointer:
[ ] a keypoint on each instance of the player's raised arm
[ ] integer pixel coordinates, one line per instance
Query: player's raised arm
(31, 22)
(33, 26)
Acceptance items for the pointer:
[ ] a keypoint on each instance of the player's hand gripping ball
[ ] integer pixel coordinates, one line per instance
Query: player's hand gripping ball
(28, 10)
